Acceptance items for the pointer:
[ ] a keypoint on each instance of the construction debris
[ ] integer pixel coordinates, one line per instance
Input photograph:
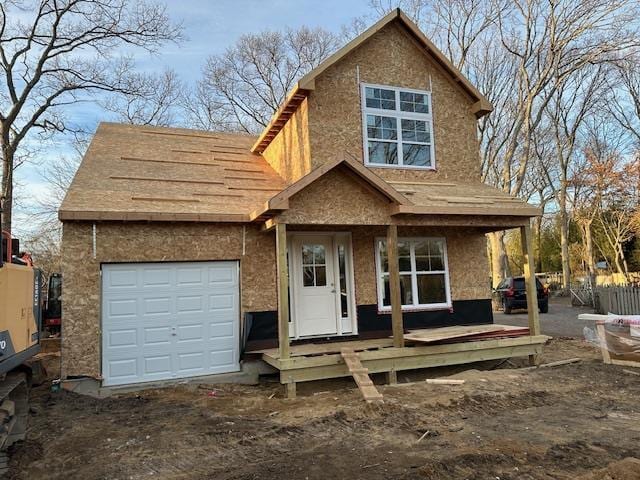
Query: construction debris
(464, 333)
(444, 381)
(360, 375)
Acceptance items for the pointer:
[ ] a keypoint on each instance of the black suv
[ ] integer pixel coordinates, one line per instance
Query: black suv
(512, 294)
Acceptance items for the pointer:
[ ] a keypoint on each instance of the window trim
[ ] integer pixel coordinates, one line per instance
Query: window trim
(414, 282)
(398, 115)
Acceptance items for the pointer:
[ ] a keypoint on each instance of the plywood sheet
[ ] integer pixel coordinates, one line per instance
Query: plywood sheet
(164, 173)
(432, 335)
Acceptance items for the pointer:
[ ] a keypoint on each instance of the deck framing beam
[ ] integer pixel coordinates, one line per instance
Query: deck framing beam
(378, 365)
(393, 359)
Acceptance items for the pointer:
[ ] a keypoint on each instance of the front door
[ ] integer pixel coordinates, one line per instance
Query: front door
(314, 285)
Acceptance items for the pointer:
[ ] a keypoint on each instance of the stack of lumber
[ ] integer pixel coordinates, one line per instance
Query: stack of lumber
(360, 375)
(465, 333)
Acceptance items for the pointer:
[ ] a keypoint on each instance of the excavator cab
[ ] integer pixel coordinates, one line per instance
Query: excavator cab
(53, 309)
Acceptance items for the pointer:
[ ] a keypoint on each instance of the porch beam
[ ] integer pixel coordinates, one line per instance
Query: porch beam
(394, 286)
(283, 290)
(530, 284)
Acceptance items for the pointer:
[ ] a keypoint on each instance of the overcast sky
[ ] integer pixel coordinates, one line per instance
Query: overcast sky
(209, 27)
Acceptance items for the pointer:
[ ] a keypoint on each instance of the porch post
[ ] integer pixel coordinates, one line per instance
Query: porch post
(530, 283)
(394, 286)
(283, 290)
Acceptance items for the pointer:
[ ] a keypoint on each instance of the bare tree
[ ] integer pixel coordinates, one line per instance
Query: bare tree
(54, 53)
(242, 88)
(155, 101)
(456, 26)
(156, 104)
(552, 41)
(624, 98)
(567, 110)
(589, 180)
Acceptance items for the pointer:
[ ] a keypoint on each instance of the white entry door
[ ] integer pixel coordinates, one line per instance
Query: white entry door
(169, 320)
(314, 285)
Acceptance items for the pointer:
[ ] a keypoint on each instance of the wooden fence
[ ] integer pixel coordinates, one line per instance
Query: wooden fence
(620, 300)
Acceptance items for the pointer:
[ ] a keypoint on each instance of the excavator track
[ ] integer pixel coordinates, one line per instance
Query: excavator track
(14, 412)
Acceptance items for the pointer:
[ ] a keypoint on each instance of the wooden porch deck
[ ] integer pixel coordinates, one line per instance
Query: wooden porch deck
(323, 360)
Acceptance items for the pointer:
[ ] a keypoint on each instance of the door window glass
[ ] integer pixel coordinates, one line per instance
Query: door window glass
(314, 267)
(344, 309)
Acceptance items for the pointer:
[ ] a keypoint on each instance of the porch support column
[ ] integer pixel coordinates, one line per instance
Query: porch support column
(283, 290)
(394, 286)
(530, 283)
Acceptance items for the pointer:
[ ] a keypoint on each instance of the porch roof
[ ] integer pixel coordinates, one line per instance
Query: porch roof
(416, 199)
(453, 198)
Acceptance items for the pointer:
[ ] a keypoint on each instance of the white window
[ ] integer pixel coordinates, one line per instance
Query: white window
(424, 274)
(398, 127)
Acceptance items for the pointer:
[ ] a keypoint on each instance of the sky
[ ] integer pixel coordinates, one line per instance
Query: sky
(209, 27)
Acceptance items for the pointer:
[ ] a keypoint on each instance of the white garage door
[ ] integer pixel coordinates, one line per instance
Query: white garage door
(169, 320)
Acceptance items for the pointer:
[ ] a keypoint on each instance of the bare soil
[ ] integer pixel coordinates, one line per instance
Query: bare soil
(573, 421)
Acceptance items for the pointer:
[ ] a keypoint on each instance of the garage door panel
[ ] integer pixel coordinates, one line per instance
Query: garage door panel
(123, 369)
(221, 343)
(154, 336)
(189, 303)
(169, 320)
(122, 278)
(156, 305)
(157, 364)
(126, 307)
(126, 337)
(222, 274)
(191, 361)
(222, 330)
(156, 277)
(190, 276)
(224, 301)
(190, 332)
(221, 358)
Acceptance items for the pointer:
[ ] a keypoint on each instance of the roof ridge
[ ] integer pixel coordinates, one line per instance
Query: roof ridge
(177, 130)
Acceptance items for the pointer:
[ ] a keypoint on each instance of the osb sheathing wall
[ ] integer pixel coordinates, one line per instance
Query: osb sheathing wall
(337, 198)
(140, 242)
(466, 252)
(288, 153)
(391, 57)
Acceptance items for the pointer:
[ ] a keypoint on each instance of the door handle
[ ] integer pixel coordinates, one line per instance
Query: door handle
(333, 291)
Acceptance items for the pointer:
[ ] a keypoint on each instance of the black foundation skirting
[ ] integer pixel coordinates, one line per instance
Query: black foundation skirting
(261, 328)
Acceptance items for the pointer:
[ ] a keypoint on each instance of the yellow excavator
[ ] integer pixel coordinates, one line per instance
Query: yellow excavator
(20, 322)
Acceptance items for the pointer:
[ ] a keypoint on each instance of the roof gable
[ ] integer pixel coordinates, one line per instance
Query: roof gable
(280, 202)
(306, 84)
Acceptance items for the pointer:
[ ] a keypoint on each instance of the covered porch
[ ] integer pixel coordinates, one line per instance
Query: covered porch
(300, 359)
(419, 248)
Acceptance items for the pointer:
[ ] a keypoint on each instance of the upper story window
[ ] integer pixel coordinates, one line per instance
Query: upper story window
(397, 127)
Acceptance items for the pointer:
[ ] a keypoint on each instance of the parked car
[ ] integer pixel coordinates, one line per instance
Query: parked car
(511, 294)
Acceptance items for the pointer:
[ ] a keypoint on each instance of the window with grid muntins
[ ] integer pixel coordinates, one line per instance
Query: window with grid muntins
(424, 274)
(398, 127)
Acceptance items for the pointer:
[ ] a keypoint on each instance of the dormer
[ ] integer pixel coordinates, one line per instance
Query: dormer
(389, 99)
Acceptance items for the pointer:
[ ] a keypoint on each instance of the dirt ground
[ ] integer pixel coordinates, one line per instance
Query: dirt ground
(573, 421)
